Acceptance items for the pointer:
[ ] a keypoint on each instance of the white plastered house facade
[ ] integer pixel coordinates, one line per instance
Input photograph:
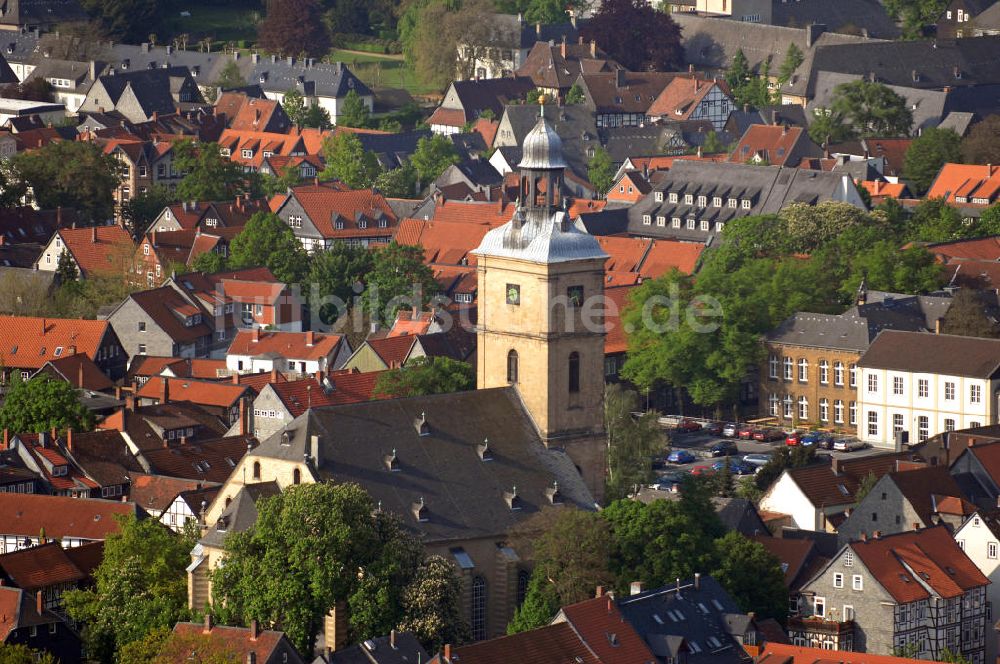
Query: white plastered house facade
(979, 538)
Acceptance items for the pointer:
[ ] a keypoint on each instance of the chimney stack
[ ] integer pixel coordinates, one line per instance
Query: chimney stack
(253, 630)
(697, 580)
(600, 589)
(244, 428)
(562, 49)
(166, 389)
(6, 443)
(593, 48)
(93, 234)
(310, 339)
(208, 623)
(447, 652)
(79, 376)
(69, 439)
(256, 335)
(40, 602)
(635, 588)
(392, 639)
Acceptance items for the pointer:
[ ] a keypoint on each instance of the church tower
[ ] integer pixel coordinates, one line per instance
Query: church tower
(540, 328)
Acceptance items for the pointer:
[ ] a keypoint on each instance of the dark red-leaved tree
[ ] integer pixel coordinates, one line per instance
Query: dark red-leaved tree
(292, 27)
(636, 35)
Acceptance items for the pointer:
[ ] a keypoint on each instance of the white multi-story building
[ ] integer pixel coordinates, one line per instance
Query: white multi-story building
(979, 537)
(917, 385)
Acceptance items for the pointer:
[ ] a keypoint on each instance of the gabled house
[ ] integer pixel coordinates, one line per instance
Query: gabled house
(972, 185)
(775, 145)
(258, 115)
(504, 46)
(71, 80)
(26, 622)
(143, 164)
(209, 216)
(138, 95)
(379, 354)
(79, 371)
(161, 253)
(916, 590)
(245, 644)
(306, 167)
(554, 68)
(146, 428)
(50, 570)
(815, 497)
(227, 401)
(320, 83)
(694, 98)
(100, 250)
(977, 469)
(575, 125)
(71, 521)
(908, 500)
(206, 461)
(319, 215)
(28, 343)
(255, 351)
(959, 17)
(41, 453)
(979, 538)
(622, 98)
(188, 506)
(162, 321)
(466, 101)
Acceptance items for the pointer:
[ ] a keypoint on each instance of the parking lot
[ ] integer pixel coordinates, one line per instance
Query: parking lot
(699, 443)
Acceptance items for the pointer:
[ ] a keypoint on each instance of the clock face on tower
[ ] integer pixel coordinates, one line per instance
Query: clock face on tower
(513, 294)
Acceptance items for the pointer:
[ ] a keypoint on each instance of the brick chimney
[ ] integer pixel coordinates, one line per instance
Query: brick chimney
(562, 48)
(255, 335)
(310, 339)
(208, 623)
(79, 376)
(236, 379)
(244, 425)
(593, 48)
(166, 390)
(69, 439)
(93, 234)
(43, 327)
(6, 444)
(447, 652)
(254, 630)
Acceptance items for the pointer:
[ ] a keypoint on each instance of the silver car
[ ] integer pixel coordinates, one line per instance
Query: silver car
(848, 445)
(757, 459)
(729, 431)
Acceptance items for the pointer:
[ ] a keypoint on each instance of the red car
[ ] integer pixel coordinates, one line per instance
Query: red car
(746, 433)
(702, 470)
(794, 438)
(688, 426)
(714, 428)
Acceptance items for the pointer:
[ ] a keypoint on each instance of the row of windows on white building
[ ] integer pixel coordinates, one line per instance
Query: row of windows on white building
(924, 387)
(691, 224)
(923, 425)
(788, 408)
(702, 201)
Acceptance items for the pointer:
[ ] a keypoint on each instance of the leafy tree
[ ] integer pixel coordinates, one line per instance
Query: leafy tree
(632, 442)
(347, 161)
(300, 559)
(140, 586)
(432, 156)
(398, 182)
(982, 144)
(793, 58)
(294, 105)
(66, 272)
(127, 20)
(431, 31)
(147, 648)
(563, 574)
(868, 483)
(398, 280)
(334, 273)
(197, 647)
(872, 109)
(915, 14)
(209, 263)
(71, 174)
(601, 171)
(933, 220)
(545, 12)
(783, 458)
(989, 220)
(575, 95)
(15, 653)
(34, 89)
(726, 485)
(738, 72)
(292, 27)
(636, 35)
(664, 540)
(317, 117)
(751, 89)
(269, 242)
(272, 185)
(713, 144)
(42, 403)
(13, 188)
(928, 153)
(427, 375)
(751, 575)
(230, 77)
(431, 605)
(966, 316)
(139, 211)
(953, 657)
(354, 113)
(889, 268)
(208, 175)
(828, 127)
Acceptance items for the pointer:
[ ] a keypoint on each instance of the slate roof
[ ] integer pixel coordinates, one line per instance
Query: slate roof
(650, 140)
(334, 80)
(18, 609)
(154, 89)
(946, 354)
(575, 125)
(856, 328)
(739, 514)
(84, 518)
(927, 105)
(489, 94)
(464, 496)
(672, 619)
(145, 424)
(944, 569)
(792, 553)
(405, 650)
(241, 513)
(840, 16)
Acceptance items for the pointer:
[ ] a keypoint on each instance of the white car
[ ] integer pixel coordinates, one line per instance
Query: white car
(730, 430)
(757, 459)
(848, 445)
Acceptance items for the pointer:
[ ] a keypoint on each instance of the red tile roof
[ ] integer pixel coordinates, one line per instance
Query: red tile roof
(392, 350)
(234, 640)
(883, 190)
(209, 461)
(79, 371)
(98, 249)
(932, 554)
(255, 114)
(74, 479)
(324, 204)
(826, 485)
(554, 643)
(30, 342)
(682, 95)
(293, 345)
(616, 341)
(664, 255)
(773, 144)
(487, 129)
(491, 213)
(595, 619)
(793, 553)
(49, 565)
(974, 183)
(442, 241)
(449, 117)
(164, 305)
(201, 392)
(156, 492)
(780, 653)
(25, 515)
(17, 609)
(299, 395)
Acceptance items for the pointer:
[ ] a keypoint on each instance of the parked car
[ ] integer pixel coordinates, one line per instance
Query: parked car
(735, 467)
(681, 456)
(809, 439)
(825, 442)
(714, 428)
(667, 481)
(794, 438)
(746, 432)
(688, 426)
(765, 435)
(757, 460)
(699, 471)
(730, 430)
(848, 445)
(723, 448)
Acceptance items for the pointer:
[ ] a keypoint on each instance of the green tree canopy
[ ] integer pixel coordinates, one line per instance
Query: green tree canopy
(66, 272)
(601, 171)
(209, 263)
(915, 14)
(431, 605)
(41, 404)
(71, 174)
(793, 58)
(432, 156)
(399, 280)
(982, 144)
(872, 109)
(632, 442)
(927, 154)
(127, 20)
(354, 113)
(15, 653)
(427, 375)
(545, 12)
(968, 316)
(400, 182)
(230, 77)
(334, 273)
(139, 211)
(208, 175)
(294, 105)
(140, 587)
(751, 575)
(637, 35)
(267, 241)
(828, 127)
(575, 95)
(347, 161)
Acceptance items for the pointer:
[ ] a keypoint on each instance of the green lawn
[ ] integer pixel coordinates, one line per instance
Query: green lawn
(222, 24)
(379, 71)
